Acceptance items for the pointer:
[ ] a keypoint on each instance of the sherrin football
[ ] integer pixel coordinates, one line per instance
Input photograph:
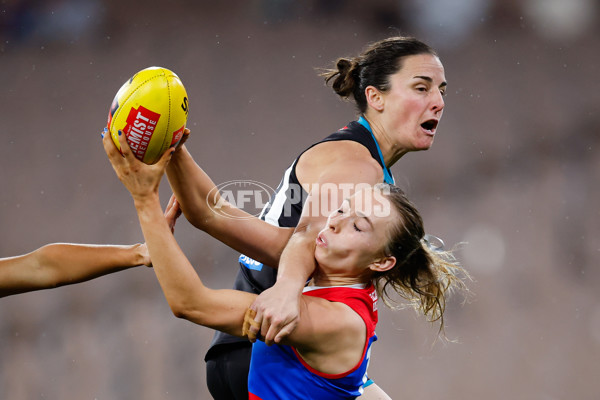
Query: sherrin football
(151, 110)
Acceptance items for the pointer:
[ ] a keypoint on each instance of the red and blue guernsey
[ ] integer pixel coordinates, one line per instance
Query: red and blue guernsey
(278, 372)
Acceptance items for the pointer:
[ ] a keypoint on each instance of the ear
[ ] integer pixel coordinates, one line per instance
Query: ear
(374, 98)
(383, 264)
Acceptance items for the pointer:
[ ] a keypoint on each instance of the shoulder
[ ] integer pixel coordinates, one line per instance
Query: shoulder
(362, 300)
(325, 322)
(343, 160)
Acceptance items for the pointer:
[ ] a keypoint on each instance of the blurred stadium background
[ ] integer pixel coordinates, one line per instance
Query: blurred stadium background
(514, 172)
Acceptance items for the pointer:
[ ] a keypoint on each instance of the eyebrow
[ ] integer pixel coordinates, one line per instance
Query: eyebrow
(428, 79)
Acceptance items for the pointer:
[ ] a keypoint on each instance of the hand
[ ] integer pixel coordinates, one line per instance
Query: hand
(172, 212)
(140, 179)
(277, 312)
(250, 322)
(184, 138)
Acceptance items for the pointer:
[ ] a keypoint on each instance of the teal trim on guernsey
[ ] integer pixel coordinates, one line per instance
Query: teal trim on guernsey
(387, 174)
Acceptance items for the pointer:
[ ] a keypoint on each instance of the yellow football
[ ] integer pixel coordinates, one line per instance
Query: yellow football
(151, 110)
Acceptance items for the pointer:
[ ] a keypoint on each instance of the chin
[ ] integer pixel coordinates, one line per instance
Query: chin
(425, 144)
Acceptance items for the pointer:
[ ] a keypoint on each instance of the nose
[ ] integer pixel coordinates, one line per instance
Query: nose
(333, 224)
(334, 221)
(438, 104)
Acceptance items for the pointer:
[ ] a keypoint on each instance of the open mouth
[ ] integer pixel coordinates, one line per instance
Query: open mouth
(430, 125)
(321, 240)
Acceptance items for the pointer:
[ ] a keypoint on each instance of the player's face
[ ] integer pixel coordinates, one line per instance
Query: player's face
(413, 105)
(355, 234)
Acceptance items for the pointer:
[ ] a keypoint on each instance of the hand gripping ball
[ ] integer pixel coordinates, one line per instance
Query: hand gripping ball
(151, 110)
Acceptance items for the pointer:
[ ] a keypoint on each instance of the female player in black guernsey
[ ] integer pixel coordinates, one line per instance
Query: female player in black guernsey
(397, 85)
(284, 210)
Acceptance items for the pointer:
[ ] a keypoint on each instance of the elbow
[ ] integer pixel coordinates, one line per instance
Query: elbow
(187, 311)
(179, 312)
(180, 309)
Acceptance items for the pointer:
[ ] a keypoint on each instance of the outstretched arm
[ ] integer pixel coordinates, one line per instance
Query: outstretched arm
(61, 264)
(198, 195)
(186, 294)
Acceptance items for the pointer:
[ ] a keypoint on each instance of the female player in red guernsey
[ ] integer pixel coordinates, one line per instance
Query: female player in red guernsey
(371, 245)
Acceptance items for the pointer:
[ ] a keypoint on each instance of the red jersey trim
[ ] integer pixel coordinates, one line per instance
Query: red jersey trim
(333, 376)
(369, 326)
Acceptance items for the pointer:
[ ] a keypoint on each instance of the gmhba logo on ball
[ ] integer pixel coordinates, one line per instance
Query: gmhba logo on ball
(247, 195)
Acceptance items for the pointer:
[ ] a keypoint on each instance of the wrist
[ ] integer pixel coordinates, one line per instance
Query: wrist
(291, 284)
(142, 202)
(178, 156)
(140, 254)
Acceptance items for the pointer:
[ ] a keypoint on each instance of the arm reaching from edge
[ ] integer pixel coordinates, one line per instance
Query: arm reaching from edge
(186, 294)
(60, 264)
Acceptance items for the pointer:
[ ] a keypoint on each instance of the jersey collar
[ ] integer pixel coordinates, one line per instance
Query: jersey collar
(387, 174)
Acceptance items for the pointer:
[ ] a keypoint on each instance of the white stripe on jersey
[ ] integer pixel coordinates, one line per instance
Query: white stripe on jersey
(354, 286)
(272, 217)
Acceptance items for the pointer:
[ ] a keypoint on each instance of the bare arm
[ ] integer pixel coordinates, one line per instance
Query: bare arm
(186, 294)
(330, 336)
(61, 264)
(197, 195)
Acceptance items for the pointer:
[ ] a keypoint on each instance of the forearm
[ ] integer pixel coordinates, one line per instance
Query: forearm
(198, 196)
(182, 287)
(76, 263)
(61, 264)
(175, 274)
(297, 262)
(277, 308)
(191, 185)
(186, 294)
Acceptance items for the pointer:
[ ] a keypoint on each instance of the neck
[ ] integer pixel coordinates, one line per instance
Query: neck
(321, 279)
(390, 151)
